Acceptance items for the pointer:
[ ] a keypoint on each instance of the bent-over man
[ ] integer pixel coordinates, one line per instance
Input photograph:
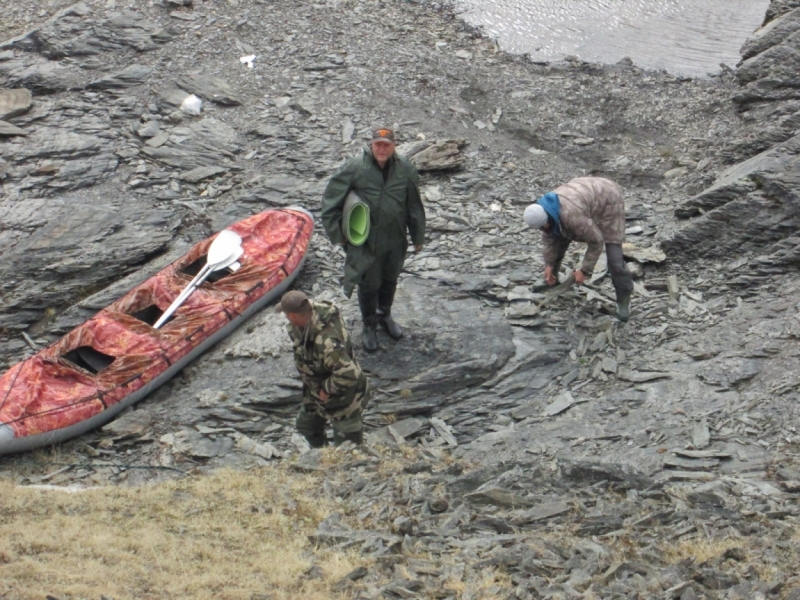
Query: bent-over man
(591, 210)
(389, 185)
(335, 388)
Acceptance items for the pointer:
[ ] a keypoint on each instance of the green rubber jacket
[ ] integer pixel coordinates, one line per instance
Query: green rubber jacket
(395, 208)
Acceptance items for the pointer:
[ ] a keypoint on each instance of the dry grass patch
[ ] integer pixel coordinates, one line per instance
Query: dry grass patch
(230, 535)
(701, 550)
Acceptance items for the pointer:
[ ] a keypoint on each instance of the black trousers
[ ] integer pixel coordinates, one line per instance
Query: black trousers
(620, 276)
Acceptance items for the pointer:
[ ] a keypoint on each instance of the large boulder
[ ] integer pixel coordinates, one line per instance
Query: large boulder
(753, 206)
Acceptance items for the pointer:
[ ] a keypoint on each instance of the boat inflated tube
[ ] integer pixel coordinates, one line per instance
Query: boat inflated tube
(355, 219)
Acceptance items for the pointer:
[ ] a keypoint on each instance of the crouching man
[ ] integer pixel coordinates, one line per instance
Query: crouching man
(335, 388)
(591, 210)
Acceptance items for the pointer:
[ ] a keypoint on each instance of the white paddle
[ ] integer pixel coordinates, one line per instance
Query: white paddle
(224, 251)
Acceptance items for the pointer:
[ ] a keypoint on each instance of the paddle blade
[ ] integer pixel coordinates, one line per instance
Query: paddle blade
(224, 245)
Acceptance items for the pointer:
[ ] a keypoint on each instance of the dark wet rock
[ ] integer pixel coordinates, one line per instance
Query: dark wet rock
(755, 201)
(75, 32)
(39, 74)
(464, 372)
(623, 476)
(206, 143)
(75, 248)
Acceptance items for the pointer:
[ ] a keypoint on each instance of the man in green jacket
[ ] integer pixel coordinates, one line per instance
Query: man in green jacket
(389, 185)
(335, 388)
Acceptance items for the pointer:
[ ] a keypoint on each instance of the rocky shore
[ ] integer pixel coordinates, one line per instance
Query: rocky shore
(532, 433)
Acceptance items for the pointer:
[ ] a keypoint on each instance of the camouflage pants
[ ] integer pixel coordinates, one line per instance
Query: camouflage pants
(311, 424)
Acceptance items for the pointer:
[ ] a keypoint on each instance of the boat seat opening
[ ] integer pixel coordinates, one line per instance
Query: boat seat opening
(194, 268)
(89, 359)
(150, 314)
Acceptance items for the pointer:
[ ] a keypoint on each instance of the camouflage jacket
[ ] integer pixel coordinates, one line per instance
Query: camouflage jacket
(592, 211)
(323, 355)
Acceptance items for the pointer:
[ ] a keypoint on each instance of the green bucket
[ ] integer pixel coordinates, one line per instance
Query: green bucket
(355, 219)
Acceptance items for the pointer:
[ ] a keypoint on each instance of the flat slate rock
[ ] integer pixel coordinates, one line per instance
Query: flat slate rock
(559, 405)
(724, 214)
(641, 376)
(7, 129)
(397, 432)
(686, 476)
(14, 103)
(701, 436)
(689, 463)
(214, 89)
(201, 173)
(129, 77)
(498, 497)
(75, 31)
(544, 511)
(702, 453)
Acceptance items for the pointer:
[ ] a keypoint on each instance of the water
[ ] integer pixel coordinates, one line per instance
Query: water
(683, 37)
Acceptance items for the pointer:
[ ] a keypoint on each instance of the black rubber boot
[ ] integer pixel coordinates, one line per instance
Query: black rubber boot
(318, 440)
(623, 306)
(357, 437)
(368, 302)
(369, 335)
(385, 301)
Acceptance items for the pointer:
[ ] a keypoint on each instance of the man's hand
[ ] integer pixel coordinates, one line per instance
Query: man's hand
(324, 396)
(418, 248)
(549, 277)
(580, 277)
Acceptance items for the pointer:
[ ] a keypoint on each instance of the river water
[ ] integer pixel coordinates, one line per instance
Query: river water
(683, 37)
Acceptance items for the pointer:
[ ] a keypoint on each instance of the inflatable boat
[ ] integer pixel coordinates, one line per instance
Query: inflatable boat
(118, 357)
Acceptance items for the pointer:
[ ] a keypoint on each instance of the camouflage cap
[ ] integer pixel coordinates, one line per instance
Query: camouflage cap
(293, 302)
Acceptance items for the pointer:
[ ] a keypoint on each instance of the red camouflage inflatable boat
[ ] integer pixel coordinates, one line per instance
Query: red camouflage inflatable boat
(116, 358)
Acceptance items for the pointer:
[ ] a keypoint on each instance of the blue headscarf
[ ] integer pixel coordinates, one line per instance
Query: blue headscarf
(552, 206)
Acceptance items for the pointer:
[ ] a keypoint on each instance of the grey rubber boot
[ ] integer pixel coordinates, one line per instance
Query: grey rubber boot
(369, 306)
(385, 301)
(624, 306)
